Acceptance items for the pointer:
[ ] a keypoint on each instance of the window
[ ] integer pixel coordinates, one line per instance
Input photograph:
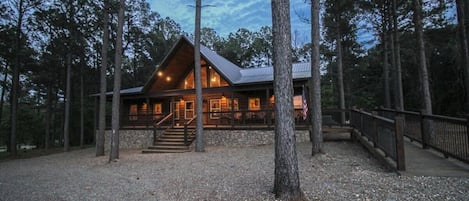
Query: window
(189, 82)
(254, 104)
(214, 78)
(133, 112)
(232, 105)
(298, 102)
(215, 108)
(157, 108)
(189, 110)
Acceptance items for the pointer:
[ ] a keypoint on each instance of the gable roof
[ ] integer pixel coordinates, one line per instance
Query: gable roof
(232, 73)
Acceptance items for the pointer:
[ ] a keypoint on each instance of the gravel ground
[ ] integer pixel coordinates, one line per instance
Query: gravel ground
(346, 172)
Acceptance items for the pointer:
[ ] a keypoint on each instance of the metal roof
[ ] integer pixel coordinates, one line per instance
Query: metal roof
(129, 91)
(266, 74)
(227, 69)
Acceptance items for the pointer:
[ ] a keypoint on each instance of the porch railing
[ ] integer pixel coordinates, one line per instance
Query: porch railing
(448, 135)
(235, 119)
(384, 134)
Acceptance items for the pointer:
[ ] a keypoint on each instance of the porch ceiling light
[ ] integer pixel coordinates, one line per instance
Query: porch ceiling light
(168, 78)
(160, 73)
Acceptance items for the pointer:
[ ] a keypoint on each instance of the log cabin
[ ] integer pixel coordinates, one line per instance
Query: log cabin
(236, 100)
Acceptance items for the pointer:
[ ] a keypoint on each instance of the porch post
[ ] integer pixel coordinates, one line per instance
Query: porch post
(267, 107)
(232, 110)
(148, 112)
(171, 108)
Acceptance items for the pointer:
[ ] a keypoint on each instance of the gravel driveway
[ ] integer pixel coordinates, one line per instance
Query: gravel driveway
(346, 172)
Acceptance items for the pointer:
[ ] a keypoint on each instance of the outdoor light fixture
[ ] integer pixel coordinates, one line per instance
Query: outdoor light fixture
(160, 73)
(168, 78)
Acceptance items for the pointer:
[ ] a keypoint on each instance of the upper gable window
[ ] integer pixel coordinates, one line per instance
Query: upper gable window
(209, 77)
(214, 78)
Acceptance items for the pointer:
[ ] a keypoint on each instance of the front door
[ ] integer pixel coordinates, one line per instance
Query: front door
(189, 110)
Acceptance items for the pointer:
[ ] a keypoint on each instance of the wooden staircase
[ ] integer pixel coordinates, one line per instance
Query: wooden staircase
(172, 141)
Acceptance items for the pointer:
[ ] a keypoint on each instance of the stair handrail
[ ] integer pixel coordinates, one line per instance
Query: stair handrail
(163, 120)
(158, 124)
(185, 128)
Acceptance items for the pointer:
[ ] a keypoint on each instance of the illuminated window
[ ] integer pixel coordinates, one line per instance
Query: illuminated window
(235, 105)
(133, 112)
(157, 108)
(298, 102)
(254, 104)
(214, 78)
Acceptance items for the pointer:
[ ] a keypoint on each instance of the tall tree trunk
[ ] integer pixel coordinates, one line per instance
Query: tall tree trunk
(102, 94)
(48, 114)
(82, 108)
(15, 85)
(462, 15)
(287, 182)
(466, 19)
(199, 135)
(398, 95)
(423, 71)
(387, 95)
(67, 102)
(315, 89)
(340, 71)
(385, 30)
(4, 86)
(117, 85)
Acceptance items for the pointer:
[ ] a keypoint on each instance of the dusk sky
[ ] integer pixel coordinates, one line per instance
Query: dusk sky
(229, 15)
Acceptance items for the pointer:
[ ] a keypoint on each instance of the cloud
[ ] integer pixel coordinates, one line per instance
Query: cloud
(229, 15)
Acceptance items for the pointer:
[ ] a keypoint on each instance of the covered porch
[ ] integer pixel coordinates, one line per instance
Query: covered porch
(223, 107)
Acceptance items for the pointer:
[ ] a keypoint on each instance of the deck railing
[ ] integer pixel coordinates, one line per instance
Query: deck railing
(448, 135)
(384, 134)
(237, 119)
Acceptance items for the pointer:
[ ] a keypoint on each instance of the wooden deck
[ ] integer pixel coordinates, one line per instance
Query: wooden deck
(427, 162)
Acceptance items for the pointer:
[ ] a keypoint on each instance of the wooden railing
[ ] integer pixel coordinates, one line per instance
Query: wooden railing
(186, 124)
(382, 134)
(164, 119)
(448, 135)
(256, 119)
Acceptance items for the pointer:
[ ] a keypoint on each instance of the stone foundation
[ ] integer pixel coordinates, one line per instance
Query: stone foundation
(131, 139)
(142, 139)
(246, 137)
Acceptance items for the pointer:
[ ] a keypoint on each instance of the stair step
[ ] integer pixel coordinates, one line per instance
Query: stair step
(170, 140)
(149, 151)
(178, 132)
(181, 147)
(176, 136)
(170, 143)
